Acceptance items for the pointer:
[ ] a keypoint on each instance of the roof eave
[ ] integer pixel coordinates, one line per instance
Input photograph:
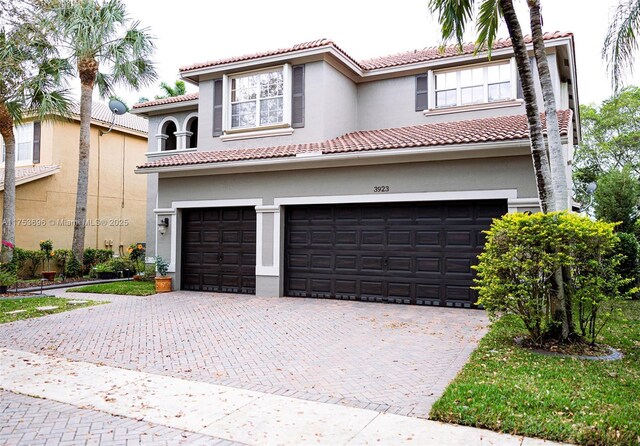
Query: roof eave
(291, 161)
(193, 75)
(145, 111)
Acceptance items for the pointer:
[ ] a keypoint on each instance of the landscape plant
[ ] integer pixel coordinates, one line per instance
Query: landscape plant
(73, 267)
(46, 247)
(107, 48)
(162, 266)
(516, 270)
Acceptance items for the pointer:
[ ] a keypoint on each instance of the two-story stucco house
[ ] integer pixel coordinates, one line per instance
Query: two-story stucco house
(47, 179)
(304, 172)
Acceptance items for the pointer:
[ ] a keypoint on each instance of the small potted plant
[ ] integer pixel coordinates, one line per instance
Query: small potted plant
(46, 246)
(7, 279)
(163, 283)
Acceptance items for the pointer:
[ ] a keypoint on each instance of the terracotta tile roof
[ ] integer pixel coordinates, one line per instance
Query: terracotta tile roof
(172, 100)
(26, 174)
(409, 57)
(298, 47)
(503, 128)
(100, 112)
(435, 53)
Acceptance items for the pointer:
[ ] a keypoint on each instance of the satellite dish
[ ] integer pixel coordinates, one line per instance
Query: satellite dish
(117, 107)
(591, 187)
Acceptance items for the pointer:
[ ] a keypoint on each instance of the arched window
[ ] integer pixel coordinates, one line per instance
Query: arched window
(169, 129)
(192, 133)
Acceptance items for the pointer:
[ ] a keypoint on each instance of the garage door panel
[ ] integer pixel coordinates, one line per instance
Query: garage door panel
(218, 249)
(346, 238)
(372, 263)
(396, 252)
(399, 238)
(372, 238)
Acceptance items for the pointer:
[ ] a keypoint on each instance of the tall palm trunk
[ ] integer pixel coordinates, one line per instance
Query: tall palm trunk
(556, 152)
(88, 69)
(538, 147)
(9, 195)
(561, 306)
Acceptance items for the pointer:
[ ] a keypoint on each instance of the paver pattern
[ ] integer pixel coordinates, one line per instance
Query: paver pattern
(388, 358)
(32, 421)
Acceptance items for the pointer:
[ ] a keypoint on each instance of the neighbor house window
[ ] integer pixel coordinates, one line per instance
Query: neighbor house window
(257, 100)
(24, 143)
(473, 85)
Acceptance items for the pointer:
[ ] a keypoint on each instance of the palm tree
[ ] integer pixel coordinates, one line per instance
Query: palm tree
(621, 43)
(551, 179)
(31, 83)
(558, 163)
(454, 15)
(170, 92)
(98, 34)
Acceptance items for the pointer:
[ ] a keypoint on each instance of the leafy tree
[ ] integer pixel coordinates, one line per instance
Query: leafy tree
(169, 92)
(454, 15)
(610, 139)
(616, 198)
(99, 35)
(31, 83)
(621, 43)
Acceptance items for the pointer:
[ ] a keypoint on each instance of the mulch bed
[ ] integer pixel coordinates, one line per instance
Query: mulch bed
(55, 282)
(577, 349)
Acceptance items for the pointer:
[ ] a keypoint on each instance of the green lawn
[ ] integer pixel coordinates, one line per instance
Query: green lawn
(129, 288)
(506, 388)
(30, 303)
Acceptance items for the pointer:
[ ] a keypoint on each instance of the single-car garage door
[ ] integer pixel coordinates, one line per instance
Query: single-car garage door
(219, 249)
(419, 253)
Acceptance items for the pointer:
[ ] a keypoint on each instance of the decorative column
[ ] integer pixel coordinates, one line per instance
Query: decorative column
(268, 249)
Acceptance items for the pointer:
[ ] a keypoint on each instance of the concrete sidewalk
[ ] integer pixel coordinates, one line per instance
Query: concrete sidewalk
(244, 416)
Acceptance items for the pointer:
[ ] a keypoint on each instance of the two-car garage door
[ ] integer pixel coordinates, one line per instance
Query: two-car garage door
(419, 253)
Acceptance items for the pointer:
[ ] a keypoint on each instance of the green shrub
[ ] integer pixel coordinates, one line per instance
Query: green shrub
(150, 272)
(30, 261)
(105, 267)
(162, 266)
(522, 254)
(73, 268)
(62, 256)
(121, 264)
(629, 250)
(92, 257)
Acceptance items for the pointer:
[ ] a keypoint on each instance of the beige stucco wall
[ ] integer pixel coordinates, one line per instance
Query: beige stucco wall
(45, 208)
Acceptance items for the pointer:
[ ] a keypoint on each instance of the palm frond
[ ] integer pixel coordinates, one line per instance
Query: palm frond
(453, 16)
(487, 24)
(621, 43)
(104, 81)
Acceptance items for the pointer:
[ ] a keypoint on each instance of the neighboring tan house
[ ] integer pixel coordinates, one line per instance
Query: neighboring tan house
(303, 172)
(47, 175)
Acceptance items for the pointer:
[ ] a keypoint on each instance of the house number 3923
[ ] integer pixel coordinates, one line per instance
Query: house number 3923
(381, 188)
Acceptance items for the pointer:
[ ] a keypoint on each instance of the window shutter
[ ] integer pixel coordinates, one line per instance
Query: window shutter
(36, 142)
(422, 92)
(297, 97)
(217, 107)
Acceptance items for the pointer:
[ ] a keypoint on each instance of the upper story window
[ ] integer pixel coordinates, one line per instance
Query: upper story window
(24, 143)
(260, 103)
(257, 100)
(473, 85)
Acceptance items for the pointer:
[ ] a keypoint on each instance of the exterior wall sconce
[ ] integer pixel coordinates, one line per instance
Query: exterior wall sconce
(163, 224)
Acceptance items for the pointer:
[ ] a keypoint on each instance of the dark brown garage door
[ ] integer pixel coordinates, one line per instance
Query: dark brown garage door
(219, 250)
(419, 253)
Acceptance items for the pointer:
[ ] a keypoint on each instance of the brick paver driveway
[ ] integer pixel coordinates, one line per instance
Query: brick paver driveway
(392, 358)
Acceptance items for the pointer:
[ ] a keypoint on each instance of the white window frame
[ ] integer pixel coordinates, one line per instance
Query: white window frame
(283, 127)
(485, 66)
(25, 161)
